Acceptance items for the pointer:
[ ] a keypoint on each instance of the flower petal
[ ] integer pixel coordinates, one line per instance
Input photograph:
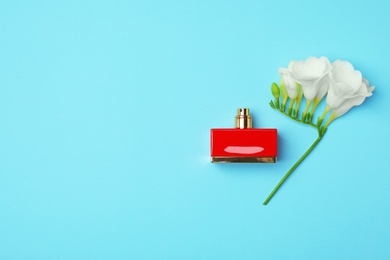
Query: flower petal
(323, 87)
(282, 71)
(348, 104)
(343, 71)
(310, 74)
(290, 85)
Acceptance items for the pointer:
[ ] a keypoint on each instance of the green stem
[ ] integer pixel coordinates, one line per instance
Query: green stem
(332, 117)
(308, 103)
(291, 103)
(292, 169)
(327, 109)
(316, 102)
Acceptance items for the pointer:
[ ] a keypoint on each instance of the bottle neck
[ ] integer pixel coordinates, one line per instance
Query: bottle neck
(243, 119)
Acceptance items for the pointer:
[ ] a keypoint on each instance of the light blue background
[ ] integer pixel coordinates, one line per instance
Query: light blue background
(105, 111)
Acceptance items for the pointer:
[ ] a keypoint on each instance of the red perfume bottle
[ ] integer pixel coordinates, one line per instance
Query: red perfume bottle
(243, 143)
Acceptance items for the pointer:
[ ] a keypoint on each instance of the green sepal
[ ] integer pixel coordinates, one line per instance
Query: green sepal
(309, 116)
(319, 122)
(271, 103)
(289, 111)
(304, 115)
(277, 103)
(323, 131)
(296, 112)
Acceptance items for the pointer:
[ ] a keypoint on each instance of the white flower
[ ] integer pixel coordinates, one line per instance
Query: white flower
(323, 87)
(313, 75)
(288, 82)
(347, 89)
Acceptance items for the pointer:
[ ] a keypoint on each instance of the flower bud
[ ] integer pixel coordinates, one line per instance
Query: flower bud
(275, 90)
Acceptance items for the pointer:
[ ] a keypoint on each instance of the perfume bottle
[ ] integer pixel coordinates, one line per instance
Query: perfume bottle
(243, 144)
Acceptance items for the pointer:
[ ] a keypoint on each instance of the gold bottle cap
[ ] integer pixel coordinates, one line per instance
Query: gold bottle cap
(243, 119)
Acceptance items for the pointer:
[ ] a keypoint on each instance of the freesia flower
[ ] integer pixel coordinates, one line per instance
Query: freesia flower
(347, 89)
(312, 74)
(289, 82)
(294, 90)
(316, 77)
(323, 88)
